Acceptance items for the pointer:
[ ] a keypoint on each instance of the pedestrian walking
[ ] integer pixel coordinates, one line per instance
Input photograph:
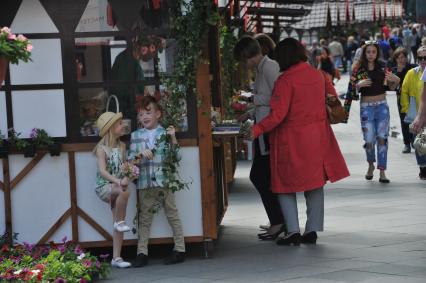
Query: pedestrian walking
(304, 151)
(325, 63)
(371, 80)
(400, 57)
(248, 51)
(336, 52)
(412, 89)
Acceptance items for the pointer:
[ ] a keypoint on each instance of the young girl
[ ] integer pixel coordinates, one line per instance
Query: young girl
(371, 80)
(111, 187)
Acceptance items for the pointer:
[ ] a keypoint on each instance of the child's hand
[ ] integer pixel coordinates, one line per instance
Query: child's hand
(147, 153)
(171, 131)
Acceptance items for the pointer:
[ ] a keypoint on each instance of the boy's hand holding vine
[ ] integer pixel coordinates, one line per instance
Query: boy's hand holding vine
(171, 131)
(147, 153)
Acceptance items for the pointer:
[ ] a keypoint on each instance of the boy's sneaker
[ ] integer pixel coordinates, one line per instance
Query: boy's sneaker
(141, 260)
(119, 263)
(121, 226)
(176, 257)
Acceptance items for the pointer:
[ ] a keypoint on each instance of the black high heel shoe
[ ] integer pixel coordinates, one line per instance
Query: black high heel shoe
(292, 239)
(268, 236)
(309, 238)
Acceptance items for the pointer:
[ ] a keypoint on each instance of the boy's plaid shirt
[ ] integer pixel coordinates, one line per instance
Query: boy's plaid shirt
(151, 173)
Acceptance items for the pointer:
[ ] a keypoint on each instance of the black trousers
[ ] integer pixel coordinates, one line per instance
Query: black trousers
(260, 176)
(404, 126)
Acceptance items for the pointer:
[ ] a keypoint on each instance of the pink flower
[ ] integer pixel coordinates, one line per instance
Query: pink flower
(6, 30)
(98, 264)
(87, 263)
(11, 36)
(78, 250)
(34, 133)
(21, 38)
(29, 48)
(61, 248)
(82, 280)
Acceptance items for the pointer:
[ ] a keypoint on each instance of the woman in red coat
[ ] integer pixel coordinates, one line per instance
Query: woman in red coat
(304, 153)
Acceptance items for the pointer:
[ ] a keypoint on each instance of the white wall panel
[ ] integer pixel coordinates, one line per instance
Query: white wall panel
(3, 113)
(32, 18)
(188, 201)
(41, 197)
(39, 109)
(65, 230)
(45, 67)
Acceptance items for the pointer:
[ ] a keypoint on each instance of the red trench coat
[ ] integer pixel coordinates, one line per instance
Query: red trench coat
(304, 153)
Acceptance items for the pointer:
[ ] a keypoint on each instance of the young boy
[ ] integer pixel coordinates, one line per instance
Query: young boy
(151, 193)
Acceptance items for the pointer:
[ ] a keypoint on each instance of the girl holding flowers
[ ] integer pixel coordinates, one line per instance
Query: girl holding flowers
(113, 177)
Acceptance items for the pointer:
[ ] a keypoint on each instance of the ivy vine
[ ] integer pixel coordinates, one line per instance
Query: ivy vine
(229, 67)
(189, 23)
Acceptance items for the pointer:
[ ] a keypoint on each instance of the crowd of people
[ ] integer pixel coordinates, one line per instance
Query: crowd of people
(293, 114)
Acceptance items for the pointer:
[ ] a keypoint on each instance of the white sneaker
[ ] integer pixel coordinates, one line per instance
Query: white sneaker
(121, 226)
(120, 263)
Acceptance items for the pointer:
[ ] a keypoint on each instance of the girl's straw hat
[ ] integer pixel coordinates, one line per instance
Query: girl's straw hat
(106, 120)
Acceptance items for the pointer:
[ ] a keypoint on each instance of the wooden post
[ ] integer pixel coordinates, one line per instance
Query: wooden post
(208, 191)
(73, 192)
(7, 200)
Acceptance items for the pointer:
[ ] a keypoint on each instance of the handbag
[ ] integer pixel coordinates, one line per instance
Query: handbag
(127, 123)
(412, 111)
(420, 142)
(335, 111)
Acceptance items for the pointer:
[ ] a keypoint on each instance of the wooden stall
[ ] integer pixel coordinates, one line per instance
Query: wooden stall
(63, 90)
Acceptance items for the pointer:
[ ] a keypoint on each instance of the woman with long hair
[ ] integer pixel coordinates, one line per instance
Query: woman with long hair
(372, 81)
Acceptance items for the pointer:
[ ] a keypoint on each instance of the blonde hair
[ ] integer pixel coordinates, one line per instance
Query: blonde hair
(110, 140)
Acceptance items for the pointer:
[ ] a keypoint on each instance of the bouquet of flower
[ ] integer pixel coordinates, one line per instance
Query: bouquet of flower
(130, 170)
(14, 48)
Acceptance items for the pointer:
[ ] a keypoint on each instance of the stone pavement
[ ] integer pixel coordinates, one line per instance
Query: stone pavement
(373, 232)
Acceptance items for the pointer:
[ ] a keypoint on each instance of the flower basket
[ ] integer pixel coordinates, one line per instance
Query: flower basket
(54, 149)
(4, 149)
(4, 63)
(29, 150)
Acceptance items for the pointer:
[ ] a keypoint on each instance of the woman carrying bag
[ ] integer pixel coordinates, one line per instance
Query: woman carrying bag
(304, 153)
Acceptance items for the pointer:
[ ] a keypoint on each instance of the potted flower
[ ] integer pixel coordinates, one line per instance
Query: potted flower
(12, 49)
(56, 262)
(42, 139)
(4, 149)
(26, 147)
